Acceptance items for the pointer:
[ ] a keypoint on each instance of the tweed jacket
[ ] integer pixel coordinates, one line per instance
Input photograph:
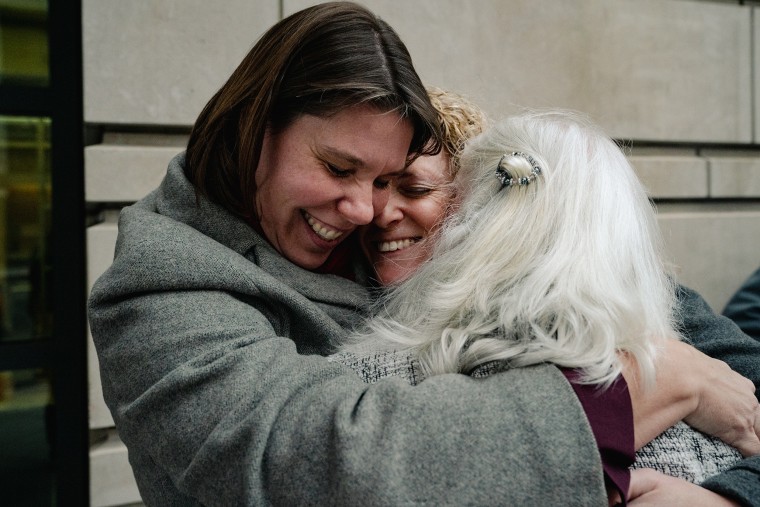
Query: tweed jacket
(210, 347)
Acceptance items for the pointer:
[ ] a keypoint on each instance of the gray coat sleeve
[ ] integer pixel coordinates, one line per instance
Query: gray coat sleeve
(217, 407)
(722, 339)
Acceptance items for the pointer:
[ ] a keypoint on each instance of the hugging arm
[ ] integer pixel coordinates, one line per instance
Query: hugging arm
(706, 393)
(650, 489)
(719, 338)
(237, 416)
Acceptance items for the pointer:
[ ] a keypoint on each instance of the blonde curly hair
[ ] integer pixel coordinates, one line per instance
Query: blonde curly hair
(460, 120)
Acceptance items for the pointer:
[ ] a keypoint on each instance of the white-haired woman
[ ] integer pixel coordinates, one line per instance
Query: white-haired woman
(553, 256)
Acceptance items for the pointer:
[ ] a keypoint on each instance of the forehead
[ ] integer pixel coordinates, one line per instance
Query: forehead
(430, 168)
(362, 136)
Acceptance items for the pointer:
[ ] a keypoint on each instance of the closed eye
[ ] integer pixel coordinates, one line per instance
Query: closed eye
(382, 184)
(415, 191)
(340, 173)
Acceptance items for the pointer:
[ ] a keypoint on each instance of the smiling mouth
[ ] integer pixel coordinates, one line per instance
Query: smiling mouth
(393, 246)
(321, 230)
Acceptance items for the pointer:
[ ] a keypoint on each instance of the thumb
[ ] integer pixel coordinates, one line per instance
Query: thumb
(749, 445)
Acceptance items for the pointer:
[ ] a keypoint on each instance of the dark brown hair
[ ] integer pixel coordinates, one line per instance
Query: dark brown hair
(317, 61)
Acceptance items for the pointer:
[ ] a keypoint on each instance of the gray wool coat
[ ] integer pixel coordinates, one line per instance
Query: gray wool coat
(210, 345)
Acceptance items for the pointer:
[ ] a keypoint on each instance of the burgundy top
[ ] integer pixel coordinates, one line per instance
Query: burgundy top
(610, 414)
(339, 261)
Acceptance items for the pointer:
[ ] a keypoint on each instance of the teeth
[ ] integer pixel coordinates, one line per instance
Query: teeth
(392, 246)
(322, 231)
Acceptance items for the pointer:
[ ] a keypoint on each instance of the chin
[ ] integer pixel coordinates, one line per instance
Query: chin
(393, 276)
(307, 262)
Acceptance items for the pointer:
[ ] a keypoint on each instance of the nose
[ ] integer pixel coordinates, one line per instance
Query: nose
(390, 214)
(357, 205)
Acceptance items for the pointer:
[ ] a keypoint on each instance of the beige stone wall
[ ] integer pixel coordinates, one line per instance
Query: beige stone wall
(672, 78)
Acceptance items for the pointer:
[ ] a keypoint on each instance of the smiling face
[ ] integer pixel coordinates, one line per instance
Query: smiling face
(401, 237)
(320, 178)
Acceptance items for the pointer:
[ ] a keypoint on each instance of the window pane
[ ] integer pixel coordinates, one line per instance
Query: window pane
(26, 433)
(23, 42)
(25, 309)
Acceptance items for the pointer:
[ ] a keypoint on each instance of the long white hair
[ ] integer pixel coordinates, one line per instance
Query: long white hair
(567, 269)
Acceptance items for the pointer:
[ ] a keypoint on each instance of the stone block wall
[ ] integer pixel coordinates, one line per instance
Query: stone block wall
(672, 79)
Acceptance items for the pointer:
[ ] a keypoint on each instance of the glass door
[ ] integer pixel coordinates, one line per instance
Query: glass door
(43, 405)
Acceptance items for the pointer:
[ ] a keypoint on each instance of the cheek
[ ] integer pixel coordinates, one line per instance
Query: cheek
(320, 192)
(431, 212)
(303, 191)
(271, 191)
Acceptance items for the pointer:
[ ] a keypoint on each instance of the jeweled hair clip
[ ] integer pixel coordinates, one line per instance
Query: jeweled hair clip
(506, 178)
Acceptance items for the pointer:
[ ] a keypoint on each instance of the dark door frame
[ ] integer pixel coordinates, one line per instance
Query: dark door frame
(64, 354)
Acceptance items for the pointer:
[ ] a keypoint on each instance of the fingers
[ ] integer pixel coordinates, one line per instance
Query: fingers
(746, 437)
(727, 407)
(749, 446)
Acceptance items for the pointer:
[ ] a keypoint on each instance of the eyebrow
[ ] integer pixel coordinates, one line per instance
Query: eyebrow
(356, 162)
(346, 157)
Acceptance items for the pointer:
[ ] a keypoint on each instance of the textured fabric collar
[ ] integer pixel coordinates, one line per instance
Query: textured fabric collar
(176, 199)
(315, 286)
